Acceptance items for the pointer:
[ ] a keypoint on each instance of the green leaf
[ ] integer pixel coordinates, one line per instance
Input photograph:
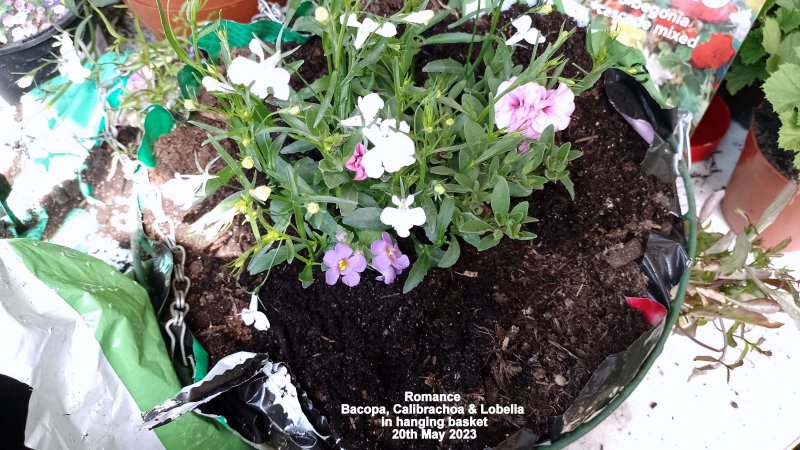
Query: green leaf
(782, 88)
(331, 199)
(239, 35)
(751, 50)
(444, 217)
(741, 75)
(307, 276)
(267, 259)
(365, 219)
(772, 36)
(452, 254)
(712, 312)
(444, 66)
(789, 133)
(788, 19)
(189, 81)
(475, 226)
(487, 242)
(417, 273)
(501, 199)
(452, 38)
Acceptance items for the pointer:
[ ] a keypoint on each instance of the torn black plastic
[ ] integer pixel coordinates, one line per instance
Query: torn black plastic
(259, 402)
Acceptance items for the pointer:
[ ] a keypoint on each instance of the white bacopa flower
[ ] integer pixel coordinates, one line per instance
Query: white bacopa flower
(262, 75)
(419, 17)
(525, 31)
(252, 316)
(366, 111)
(392, 150)
(403, 217)
(219, 218)
(70, 63)
(367, 27)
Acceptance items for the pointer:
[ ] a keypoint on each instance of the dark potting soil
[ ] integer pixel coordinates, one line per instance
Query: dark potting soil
(765, 127)
(523, 323)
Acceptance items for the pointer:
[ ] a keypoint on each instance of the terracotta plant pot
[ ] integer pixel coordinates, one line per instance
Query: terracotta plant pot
(147, 12)
(753, 186)
(711, 129)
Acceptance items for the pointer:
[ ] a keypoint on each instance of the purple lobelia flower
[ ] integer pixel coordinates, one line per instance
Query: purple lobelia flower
(342, 262)
(388, 259)
(51, 3)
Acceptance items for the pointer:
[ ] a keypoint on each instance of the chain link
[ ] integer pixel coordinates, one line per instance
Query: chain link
(151, 198)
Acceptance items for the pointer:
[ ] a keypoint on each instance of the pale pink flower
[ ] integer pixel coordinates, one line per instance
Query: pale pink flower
(530, 108)
(355, 164)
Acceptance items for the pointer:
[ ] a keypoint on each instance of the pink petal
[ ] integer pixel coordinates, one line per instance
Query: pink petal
(330, 259)
(351, 279)
(357, 263)
(653, 311)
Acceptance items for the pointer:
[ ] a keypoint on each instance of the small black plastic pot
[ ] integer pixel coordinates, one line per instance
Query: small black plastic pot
(19, 58)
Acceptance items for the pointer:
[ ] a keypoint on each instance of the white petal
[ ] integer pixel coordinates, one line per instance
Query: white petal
(361, 38)
(248, 316)
(213, 85)
(369, 106)
(373, 163)
(278, 80)
(369, 25)
(522, 23)
(256, 48)
(533, 36)
(387, 30)
(243, 71)
(261, 321)
(354, 121)
(351, 19)
(390, 216)
(416, 216)
(419, 17)
(272, 61)
(396, 200)
(404, 127)
(514, 39)
(374, 133)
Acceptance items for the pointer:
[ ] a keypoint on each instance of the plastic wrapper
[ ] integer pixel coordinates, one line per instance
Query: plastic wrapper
(84, 338)
(665, 262)
(258, 401)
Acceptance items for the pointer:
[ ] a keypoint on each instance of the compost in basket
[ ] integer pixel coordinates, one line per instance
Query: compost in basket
(521, 330)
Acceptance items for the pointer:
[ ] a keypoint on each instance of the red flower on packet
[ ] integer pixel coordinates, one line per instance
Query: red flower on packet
(696, 9)
(712, 54)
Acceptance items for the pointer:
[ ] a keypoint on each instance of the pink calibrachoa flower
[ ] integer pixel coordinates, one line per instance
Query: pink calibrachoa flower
(530, 108)
(342, 262)
(354, 163)
(388, 259)
(652, 310)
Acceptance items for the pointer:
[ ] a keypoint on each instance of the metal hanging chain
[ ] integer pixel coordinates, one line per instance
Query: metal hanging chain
(150, 197)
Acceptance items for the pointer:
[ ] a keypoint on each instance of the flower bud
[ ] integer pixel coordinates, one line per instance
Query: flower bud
(261, 193)
(449, 121)
(321, 14)
(312, 208)
(190, 104)
(294, 110)
(25, 81)
(546, 9)
(246, 141)
(439, 189)
(247, 162)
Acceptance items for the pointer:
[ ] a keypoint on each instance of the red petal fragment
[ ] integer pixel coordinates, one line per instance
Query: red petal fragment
(653, 311)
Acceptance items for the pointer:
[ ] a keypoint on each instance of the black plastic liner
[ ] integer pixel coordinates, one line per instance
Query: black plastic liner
(240, 393)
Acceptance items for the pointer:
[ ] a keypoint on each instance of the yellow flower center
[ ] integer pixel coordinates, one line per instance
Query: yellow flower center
(390, 251)
(343, 263)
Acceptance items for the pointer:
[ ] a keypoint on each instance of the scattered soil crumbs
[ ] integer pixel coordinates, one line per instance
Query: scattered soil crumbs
(766, 125)
(524, 323)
